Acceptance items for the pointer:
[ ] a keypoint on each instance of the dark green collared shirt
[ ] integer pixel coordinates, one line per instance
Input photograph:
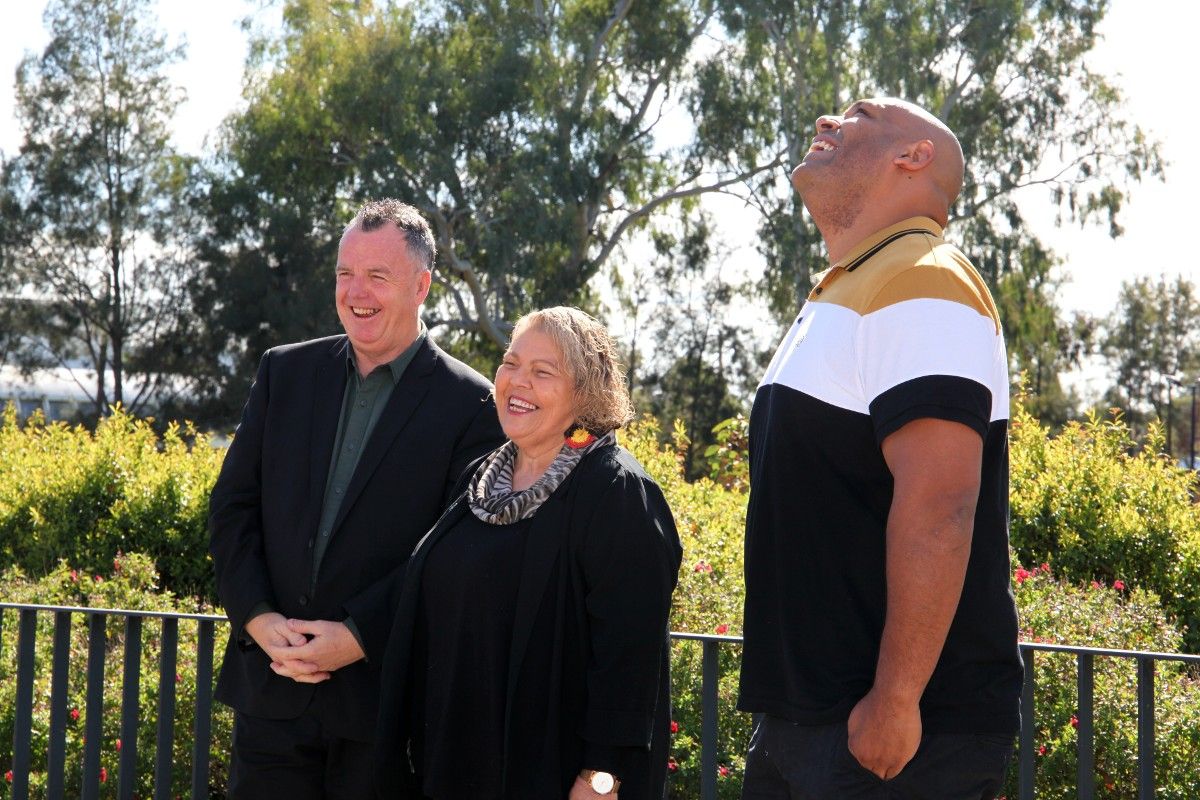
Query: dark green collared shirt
(362, 405)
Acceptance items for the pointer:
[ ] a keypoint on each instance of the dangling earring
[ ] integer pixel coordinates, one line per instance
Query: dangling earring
(579, 437)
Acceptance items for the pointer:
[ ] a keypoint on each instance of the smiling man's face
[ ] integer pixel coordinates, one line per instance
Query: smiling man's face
(380, 288)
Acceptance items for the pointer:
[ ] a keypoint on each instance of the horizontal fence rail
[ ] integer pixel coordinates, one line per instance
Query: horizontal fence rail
(168, 628)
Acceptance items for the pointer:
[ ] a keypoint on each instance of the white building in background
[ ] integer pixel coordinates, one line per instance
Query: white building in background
(59, 392)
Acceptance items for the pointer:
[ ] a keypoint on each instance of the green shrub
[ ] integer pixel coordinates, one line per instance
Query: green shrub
(1081, 502)
(129, 583)
(68, 492)
(1117, 617)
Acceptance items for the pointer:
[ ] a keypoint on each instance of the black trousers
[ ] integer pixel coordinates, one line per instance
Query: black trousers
(297, 760)
(799, 762)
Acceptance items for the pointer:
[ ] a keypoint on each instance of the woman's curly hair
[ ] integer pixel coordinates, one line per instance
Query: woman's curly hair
(590, 357)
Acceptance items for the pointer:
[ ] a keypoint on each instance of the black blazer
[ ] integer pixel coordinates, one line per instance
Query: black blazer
(589, 670)
(266, 506)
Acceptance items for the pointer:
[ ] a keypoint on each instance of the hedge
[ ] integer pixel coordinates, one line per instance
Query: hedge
(1097, 510)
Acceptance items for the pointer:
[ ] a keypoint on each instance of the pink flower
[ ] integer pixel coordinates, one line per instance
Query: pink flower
(103, 775)
(1119, 585)
(1042, 750)
(702, 566)
(74, 713)
(672, 766)
(722, 628)
(118, 745)
(674, 726)
(1046, 567)
(97, 579)
(1095, 584)
(723, 771)
(75, 575)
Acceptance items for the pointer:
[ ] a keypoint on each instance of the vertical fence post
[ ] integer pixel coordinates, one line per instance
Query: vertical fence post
(1086, 773)
(56, 758)
(166, 709)
(23, 718)
(202, 730)
(92, 730)
(1145, 723)
(131, 680)
(708, 722)
(1026, 765)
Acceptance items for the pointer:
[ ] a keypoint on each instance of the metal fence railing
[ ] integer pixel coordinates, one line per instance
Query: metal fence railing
(165, 713)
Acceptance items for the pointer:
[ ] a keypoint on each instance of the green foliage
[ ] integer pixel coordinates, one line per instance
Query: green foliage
(69, 493)
(1113, 616)
(711, 523)
(95, 174)
(130, 582)
(1082, 502)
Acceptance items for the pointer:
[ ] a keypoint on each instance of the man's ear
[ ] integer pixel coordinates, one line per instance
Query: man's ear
(917, 156)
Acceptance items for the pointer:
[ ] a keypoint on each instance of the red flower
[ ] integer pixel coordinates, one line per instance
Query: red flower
(674, 726)
(8, 776)
(1074, 721)
(723, 771)
(1095, 584)
(1046, 567)
(722, 628)
(177, 678)
(118, 745)
(97, 579)
(672, 766)
(116, 564)
(1119, 585)
(1042, 750)
(103, 775)
(74, 713)
(1022, 575)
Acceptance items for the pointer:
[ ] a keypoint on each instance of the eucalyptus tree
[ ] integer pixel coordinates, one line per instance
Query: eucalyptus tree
(95, 197)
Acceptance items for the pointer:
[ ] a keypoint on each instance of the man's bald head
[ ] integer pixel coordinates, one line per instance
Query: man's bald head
(882, 160)
(914, 124)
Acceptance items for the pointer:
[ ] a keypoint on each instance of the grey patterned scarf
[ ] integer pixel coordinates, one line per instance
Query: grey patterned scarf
(490, 491)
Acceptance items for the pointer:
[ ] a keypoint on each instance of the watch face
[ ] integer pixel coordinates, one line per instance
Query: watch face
(602, 782)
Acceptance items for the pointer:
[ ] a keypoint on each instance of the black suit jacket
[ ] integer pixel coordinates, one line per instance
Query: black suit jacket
(266, 506)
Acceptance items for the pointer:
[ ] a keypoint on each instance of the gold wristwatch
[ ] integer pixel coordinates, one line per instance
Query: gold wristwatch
(601, 782)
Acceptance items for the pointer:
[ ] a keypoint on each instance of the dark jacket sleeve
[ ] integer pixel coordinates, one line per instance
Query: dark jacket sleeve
(373, 609)
(630, 560)
(235, 512)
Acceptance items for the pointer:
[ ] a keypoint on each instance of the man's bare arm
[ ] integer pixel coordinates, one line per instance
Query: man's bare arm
(936, 467)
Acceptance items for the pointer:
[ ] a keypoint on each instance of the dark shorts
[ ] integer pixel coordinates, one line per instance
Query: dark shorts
(800, 762)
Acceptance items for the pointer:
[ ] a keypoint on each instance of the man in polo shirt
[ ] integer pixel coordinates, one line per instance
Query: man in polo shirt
(880, 628)
(346, 452)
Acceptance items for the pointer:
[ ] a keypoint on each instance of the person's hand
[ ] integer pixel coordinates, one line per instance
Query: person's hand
(270, 631)
(581, 790)
(883, 735)
(330, 645)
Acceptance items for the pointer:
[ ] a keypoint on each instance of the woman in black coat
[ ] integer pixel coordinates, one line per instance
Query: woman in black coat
(529, 655)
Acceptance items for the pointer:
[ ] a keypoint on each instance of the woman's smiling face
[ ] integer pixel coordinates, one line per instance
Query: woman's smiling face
(535, 394)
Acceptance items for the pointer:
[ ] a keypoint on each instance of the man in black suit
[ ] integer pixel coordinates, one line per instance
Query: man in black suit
(345, 454)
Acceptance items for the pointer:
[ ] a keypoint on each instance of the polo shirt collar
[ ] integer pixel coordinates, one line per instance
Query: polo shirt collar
(878, 238)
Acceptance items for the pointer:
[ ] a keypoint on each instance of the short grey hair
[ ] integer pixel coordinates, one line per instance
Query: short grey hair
(417, 234)
(591, 359)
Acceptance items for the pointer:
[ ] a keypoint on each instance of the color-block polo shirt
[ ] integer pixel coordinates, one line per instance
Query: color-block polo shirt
(903, 328)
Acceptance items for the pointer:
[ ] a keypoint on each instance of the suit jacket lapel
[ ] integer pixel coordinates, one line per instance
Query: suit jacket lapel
(329, 386)
(406, 396)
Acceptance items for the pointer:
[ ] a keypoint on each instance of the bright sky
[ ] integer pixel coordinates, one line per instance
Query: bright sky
(1148, 46)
